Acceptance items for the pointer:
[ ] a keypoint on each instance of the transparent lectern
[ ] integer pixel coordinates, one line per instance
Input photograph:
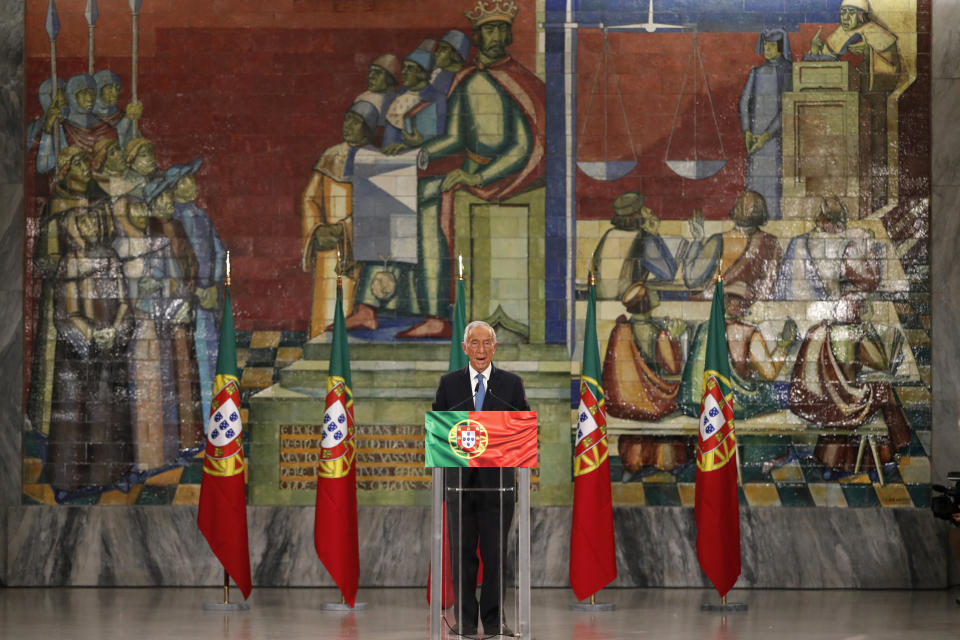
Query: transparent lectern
(481, 464)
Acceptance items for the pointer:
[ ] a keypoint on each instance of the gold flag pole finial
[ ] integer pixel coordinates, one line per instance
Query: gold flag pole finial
(460, 258)
(339, 270)
(227, 279)
(720, 271)
(592, 279)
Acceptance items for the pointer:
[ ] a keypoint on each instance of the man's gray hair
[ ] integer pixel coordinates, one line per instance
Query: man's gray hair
(478, 323)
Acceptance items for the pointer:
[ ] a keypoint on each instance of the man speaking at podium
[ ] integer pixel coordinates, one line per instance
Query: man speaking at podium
(479, 500)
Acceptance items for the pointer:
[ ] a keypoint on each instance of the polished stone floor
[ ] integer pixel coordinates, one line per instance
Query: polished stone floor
(401, 614)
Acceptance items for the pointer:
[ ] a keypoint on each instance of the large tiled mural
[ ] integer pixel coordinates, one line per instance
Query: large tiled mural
(784, 146)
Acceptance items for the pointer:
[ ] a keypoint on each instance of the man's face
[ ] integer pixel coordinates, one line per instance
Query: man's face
(493, 38)
(378, 80)
(162, 207)
(80, 168)
(479, 347)
(88, 226)
(445, 55)
(413, 75)
(650, 222)
(353, 131)
(771, 50)
(144, 163)
(85, 98)
(186, 189)
(109, 94)
(850, 18)
(114, 162)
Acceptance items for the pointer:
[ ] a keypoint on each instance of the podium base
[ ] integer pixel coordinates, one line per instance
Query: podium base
(226, 606)
(729, 606)
(342, 606)
(596, 606)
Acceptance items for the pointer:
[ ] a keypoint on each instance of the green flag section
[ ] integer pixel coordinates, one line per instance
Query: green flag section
(481, 438)
(458, 359)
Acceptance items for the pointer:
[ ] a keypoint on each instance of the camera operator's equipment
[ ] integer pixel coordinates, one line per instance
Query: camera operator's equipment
(946, 505)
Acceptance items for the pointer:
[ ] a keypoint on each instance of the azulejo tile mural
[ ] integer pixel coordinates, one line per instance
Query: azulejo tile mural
(655, 143)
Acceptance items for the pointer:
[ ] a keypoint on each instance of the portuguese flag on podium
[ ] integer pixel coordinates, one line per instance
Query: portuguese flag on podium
(335, 518)
(222, 514)
(717, 509)
(593, 556)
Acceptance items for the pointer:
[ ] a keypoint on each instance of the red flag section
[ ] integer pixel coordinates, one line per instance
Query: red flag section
(222, 513)
(593, 555)
(335, 518)
(717, 508)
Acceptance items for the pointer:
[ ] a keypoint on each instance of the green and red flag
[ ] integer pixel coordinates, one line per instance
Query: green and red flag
(481, 438)
(593, 554)
(458, 360)
(222, 513)
(335, 519)
(717, 508)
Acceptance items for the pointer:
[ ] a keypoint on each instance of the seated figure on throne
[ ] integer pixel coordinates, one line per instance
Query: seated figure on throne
(496, 118)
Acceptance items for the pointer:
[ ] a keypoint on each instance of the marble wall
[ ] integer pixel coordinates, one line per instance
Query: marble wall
(145, 546)
(782, 548)
(11, 264)
(945, 230)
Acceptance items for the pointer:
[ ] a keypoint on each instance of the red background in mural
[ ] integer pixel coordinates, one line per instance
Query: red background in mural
(257, 88)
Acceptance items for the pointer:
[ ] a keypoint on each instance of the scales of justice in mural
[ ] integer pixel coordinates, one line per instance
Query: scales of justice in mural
(617, 155)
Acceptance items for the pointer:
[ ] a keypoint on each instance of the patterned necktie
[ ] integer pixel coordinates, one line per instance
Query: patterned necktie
(478, 401)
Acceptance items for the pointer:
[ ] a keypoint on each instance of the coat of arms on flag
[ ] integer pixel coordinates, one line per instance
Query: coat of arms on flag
(224, 450)
(591, 448)
(468, 438)
(717, 443)
(337, 441)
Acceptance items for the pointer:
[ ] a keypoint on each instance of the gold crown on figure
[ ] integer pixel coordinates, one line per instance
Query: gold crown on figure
(492, 11)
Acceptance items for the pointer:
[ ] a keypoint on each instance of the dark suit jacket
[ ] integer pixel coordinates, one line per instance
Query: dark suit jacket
(504, 393)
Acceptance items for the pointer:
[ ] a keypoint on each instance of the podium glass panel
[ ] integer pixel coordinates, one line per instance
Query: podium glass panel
(482, 501)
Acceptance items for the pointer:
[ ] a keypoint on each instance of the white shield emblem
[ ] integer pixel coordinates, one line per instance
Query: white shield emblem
(468, 439)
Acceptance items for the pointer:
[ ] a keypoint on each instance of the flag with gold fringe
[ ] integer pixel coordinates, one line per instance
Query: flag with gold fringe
(717, 509)
(222, 514)
(593, 556)
(335, 518)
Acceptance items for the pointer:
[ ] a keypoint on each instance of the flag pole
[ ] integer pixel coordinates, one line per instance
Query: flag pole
(134, 54)
(590, 483)
(53, 28)
(226, 605)
(91, 13)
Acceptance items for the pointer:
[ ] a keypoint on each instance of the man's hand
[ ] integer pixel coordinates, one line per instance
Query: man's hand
(147, 286)
(414, 139)
(748, 140)
(104, 338)
(758, 142)
(134, 111)
(53, 114)
(816, 45)
(326, 237)
(394, 149)
(459, 176)
(788, 335)
(676, 327)
(695, 225)
(183, 314)
(208, 298)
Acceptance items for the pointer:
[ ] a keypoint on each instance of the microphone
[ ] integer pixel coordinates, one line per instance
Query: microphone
(467, 399)
(509, 404)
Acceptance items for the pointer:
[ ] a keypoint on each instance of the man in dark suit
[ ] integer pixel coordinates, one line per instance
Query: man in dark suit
(479, 500)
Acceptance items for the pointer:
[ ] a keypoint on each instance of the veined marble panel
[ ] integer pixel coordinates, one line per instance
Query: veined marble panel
(656, 547)
(11, 260)
(946, 39)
